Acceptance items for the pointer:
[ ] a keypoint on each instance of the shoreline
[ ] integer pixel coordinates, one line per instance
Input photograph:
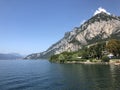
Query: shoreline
(112, 62)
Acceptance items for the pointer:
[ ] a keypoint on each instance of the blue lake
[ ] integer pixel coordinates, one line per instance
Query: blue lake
(43, 75)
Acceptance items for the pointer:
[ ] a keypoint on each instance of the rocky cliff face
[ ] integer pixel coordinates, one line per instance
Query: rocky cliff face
(101, 26)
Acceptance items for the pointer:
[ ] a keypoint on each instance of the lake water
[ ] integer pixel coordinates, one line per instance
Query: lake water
(43, 75)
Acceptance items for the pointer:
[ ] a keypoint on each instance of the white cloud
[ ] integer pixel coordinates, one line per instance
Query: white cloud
(83, 21)
(100, 9)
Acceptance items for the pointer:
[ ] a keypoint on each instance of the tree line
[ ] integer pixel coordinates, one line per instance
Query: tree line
(96, 51)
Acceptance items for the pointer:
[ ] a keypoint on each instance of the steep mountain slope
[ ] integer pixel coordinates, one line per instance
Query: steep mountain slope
(101, 26)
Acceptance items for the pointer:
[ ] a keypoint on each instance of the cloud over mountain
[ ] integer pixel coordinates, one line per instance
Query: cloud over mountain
(100, 27)
(100, 9)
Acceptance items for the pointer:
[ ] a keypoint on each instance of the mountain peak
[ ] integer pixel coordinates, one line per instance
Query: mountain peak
(101, 10)
(101, 27)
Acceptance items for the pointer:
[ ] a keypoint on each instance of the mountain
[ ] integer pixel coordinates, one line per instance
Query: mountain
(11, 56)
(102, 26)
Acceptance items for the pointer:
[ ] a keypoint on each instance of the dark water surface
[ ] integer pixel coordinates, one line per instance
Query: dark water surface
(43, 75)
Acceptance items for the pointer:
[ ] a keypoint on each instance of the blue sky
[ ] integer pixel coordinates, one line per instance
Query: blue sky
(29, 26)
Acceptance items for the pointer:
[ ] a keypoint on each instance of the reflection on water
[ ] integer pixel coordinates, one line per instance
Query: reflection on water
(42, 75)
(115, 76)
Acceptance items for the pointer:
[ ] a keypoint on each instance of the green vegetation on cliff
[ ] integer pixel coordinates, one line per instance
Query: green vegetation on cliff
(97, 51)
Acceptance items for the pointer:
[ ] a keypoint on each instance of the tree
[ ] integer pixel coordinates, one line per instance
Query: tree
(54, 57)
(61, 57)
(99, 48)
(95, 51)
(113, 46)
(105, 59)
(85, 55)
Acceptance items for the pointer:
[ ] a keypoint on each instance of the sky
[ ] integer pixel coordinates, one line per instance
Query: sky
(30, 26)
